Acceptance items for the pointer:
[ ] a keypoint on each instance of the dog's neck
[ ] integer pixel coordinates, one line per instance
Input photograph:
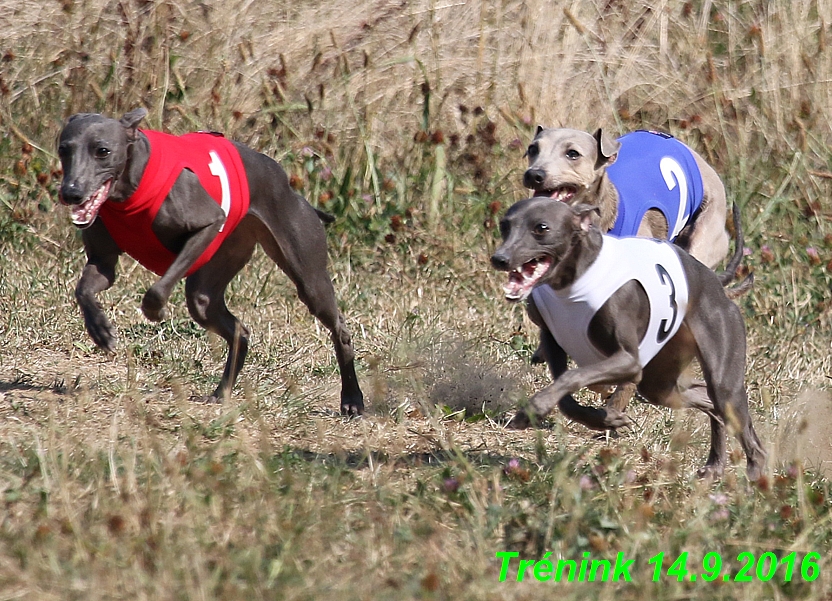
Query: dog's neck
(582, 252)
(606, 196)
(126, 183)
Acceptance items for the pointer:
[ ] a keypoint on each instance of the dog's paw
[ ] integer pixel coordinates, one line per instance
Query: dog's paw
(754, 469)
(710, 471)
(206, 399)
(523, 421)
(353, 406)
(538, 358)
(615, 419)
(101, 331)
(153, 305)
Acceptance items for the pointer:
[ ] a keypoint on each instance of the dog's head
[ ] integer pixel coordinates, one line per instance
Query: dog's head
(565, 163)
(540, 238)
(94, 151)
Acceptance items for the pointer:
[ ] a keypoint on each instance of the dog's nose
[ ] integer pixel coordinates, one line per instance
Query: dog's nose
(500, 261)
(71, 194)
(533, 178)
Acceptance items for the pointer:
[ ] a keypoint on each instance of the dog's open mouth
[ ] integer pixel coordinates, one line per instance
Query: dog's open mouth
(563, 193)
(521, 281)
(85, 213)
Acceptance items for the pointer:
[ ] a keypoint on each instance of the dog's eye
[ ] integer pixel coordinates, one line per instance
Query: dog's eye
(532, 151)
(102, 152)
(573, 154)
(540, 229)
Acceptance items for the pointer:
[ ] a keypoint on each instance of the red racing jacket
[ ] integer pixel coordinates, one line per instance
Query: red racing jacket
(220, 170)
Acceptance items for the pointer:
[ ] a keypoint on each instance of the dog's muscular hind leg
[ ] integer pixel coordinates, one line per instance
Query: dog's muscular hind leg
(317, 293)
(301, 253)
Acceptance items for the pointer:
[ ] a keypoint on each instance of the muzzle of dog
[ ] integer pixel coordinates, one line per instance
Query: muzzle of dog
(521, 279)
(535, 179)
(84, 210)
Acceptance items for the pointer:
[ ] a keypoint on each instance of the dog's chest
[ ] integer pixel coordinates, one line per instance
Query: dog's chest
(655, 265)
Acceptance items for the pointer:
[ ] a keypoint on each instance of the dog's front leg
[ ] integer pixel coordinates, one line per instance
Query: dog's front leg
(156, 297)
(607, 418)
(555, 357)
(187, 213)
(622, 366)
(98, 275)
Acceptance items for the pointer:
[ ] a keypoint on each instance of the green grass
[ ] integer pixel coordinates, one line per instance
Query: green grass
(408, 122)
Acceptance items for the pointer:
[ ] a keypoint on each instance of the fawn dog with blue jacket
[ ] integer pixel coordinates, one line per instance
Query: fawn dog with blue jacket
(644, 183)
(192, 207)
(626, 310)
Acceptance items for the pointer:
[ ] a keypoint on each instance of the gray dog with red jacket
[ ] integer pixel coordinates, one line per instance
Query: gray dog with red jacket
(192, 207)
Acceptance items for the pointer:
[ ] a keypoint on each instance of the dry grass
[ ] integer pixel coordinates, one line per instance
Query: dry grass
(407, 120)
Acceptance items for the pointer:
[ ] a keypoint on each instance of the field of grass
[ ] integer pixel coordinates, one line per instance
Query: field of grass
(408, 121)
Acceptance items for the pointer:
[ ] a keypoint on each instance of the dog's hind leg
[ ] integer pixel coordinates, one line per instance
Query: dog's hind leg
(730, 404)
(662, 389)
(705, 237)
(721, 352)
(721, 346)
(299, 249)
(666, 392)
(205, 295)
(696, 397)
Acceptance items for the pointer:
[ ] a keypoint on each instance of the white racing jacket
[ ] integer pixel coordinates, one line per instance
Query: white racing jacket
(654, 264)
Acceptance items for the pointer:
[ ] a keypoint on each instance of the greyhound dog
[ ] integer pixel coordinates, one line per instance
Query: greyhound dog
(192, 207)
(645, 183)
(626, 310)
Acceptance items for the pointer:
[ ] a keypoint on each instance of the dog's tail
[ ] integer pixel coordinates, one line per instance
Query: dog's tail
(325, 217)
(727, 276)
(744, 286)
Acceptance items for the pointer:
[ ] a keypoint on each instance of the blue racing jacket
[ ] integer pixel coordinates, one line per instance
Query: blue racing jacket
(654, 171)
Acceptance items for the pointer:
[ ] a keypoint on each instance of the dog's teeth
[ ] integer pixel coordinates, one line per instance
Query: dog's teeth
(522, 280)
(84, 213)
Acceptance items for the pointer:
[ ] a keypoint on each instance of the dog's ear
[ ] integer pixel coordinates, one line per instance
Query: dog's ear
(607, 149)
(131, 121)
(587, 216)
(539, 129)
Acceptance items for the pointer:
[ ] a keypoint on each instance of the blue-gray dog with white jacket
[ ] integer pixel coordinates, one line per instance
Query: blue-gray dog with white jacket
(626, 310)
